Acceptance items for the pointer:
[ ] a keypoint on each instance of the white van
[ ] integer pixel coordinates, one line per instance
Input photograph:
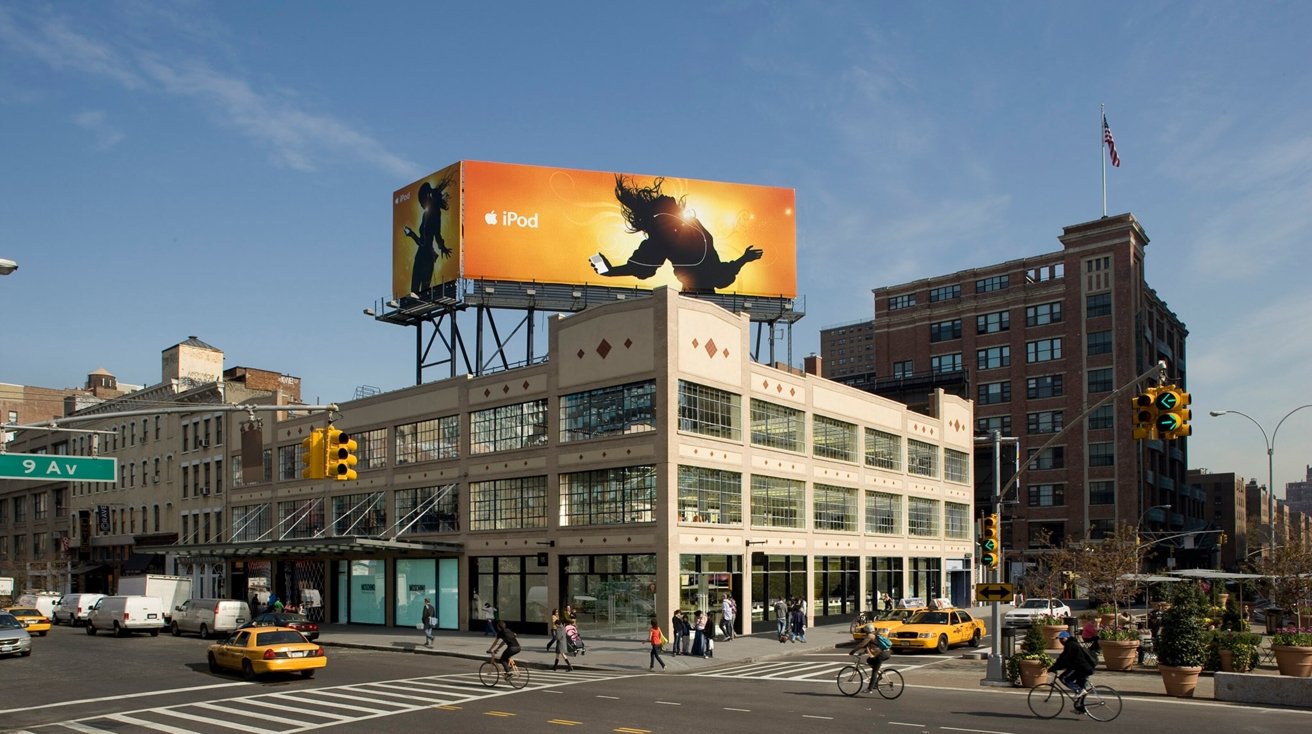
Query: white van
(209, 616)
(126, 614)
(73, 608)
(42, 601)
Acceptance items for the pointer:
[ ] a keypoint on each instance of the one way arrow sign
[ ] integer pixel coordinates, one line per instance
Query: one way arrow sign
(995, 592)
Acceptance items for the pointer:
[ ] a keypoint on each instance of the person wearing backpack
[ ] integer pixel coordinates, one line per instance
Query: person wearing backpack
(877, 648)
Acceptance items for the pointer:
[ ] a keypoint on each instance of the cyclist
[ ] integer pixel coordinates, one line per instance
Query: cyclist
(1078, 665)
(506, 637)
(877, 648)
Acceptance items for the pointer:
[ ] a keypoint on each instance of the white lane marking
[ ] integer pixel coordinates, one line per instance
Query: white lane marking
(334, 694)
(809, 716)
(145, 724)
(210, 720)
(84, 728)
(976, 731)
(278, 706)
(668, 703)
(743, 710)
(63, 704)
(613, 698)
(902, 723)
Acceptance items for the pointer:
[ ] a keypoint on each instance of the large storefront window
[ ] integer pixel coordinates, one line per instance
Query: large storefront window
(613, 595)
(710, 495)
(506, 504)
(608, 496)
(704, 581)
(363, 583)
(416, 580)
(778, 502)
(885, 578)
(774, 578)
(836, 579)
(926, 578)
(608, 411)
(516, 586)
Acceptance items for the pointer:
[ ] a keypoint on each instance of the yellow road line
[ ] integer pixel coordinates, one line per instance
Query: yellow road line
(447, 707)
(497, 713)
(564, 722)
(627, 730)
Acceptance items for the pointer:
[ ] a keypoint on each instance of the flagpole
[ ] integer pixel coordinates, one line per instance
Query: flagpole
(1102, 143)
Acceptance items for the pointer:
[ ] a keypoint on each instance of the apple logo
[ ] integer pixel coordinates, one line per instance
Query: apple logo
(490, 217)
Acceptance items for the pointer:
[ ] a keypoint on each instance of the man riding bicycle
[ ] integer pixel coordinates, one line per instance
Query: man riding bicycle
(506, 637)
(877, 648)
(1078, 664)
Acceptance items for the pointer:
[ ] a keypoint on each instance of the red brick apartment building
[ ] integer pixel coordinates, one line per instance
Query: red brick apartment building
(1036, 341)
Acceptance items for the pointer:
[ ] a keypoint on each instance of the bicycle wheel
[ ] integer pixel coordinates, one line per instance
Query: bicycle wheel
(518, 676)
(890, 684)
(1046, 701)
(489, 673)
(1102, 703)
(850, 680)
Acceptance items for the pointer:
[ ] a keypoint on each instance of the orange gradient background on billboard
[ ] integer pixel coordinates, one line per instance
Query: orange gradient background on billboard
(407, 212)
(561, 217)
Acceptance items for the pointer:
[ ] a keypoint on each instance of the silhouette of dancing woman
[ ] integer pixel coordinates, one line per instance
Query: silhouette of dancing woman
(429, 244)
(673, 235)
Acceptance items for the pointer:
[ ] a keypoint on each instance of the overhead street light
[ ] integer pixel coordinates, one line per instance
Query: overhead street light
(1270, 463)
(7, 266)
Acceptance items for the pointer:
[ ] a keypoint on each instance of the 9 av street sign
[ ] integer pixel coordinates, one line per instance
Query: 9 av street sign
(44, 467)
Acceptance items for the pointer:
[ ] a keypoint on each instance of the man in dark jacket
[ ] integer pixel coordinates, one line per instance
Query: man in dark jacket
(1078, 664)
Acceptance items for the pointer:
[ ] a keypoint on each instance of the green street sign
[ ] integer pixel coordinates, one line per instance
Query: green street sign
(44, 467)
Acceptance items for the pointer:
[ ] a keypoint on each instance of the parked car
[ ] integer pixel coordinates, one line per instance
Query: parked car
(206, 616)
(14, 639)
(293, 620)
(938, 630)
(126, 614)
(259, 650)
(33, 620)
(73, 608)
(1024, 615)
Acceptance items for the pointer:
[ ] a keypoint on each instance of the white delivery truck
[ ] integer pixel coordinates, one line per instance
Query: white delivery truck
(42, 601)
(172, 591)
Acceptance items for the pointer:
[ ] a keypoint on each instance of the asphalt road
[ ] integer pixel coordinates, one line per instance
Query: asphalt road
(73, 682)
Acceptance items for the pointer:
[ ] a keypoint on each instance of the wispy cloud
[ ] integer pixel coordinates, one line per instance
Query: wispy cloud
(297, 138)
(96, 122)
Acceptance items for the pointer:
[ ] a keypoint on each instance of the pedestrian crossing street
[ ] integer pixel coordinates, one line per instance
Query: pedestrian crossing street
(308, 709)
(814, 671)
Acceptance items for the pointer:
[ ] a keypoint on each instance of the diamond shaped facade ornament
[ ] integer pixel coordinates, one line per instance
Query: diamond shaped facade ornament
(711, 349)
(603, 348)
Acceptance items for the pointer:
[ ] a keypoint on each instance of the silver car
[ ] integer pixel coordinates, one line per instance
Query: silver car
(14, 639)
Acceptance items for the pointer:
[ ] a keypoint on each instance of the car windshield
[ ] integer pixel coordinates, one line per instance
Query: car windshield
(892, 614)
(1035, 604)
(930, 618)
(9, 622)
(280, 637)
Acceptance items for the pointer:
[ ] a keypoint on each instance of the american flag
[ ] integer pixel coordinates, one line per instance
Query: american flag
(1110, 141)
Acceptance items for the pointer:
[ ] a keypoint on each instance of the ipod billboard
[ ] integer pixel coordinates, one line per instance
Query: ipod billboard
(534, 224)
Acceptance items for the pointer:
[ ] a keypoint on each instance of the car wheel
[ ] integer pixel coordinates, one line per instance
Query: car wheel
(247, 670)
(25, 654)
(942, 644)
(154, 632)
(214, 664)
(43, 634)
(91, 629)
(974, 639)
(174, 629)
(204, 632)
(118, 630)
(307, 673)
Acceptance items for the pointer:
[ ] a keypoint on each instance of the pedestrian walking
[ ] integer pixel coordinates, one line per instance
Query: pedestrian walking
(797, 619)
(490, 618)
(429, 622)
(781, 618)
(551, 628)
(657, 639)
(728, 611)
(560, 640)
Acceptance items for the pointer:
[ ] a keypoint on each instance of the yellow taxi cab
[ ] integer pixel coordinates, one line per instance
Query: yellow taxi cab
(33, 620)
(882, 622)
(938, 629)
(262, 650)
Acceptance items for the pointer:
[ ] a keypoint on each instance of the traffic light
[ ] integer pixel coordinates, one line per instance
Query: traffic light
(313, 461)
(341, 455)
(989, 542)
(1143, 409)
(1173, 413)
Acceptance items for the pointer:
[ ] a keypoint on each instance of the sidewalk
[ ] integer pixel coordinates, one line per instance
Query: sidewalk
(632, 656)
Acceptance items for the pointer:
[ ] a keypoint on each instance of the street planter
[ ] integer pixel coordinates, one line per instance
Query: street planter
(1119, 655)
(1294, 660)
(1050, 632)
(1180, 680)
(1033, 673)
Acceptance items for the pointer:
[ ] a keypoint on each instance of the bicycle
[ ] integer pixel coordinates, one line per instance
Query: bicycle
(1101, 703)
(490, 673)
(852, 680)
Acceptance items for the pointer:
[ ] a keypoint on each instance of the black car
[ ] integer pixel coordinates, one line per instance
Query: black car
(295, 620)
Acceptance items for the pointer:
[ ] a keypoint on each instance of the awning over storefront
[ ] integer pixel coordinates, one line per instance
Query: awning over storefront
(310, 547)
(139, 562)
(87, 568)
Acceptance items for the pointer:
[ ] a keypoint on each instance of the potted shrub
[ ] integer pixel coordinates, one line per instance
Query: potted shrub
(1107, 614)
(1182, 640)
(1050, 627)
(1119, 646)
(1029, 667)
(1232, 652)
(1293, 648)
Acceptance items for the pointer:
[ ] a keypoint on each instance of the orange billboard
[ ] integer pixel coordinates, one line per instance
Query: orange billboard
(560, 225)
(426, 232)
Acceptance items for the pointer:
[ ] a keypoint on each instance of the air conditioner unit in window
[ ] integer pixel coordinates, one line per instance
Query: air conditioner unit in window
(205, 491)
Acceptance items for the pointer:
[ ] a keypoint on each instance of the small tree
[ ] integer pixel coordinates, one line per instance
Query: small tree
(1033, 647)
(1111, 565)
(1052, 567)
(1182, 641)
(1287, 576)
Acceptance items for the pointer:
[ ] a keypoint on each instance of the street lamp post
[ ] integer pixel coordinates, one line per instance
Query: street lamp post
(1270, 463)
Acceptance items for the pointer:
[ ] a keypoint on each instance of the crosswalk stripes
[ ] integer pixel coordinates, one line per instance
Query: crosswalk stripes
(791, 670)
(290, 712)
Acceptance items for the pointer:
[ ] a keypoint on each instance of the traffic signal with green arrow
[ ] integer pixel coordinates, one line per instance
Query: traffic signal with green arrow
(1173, 413)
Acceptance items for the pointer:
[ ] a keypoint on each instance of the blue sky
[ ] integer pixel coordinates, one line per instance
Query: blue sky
(224, 169)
